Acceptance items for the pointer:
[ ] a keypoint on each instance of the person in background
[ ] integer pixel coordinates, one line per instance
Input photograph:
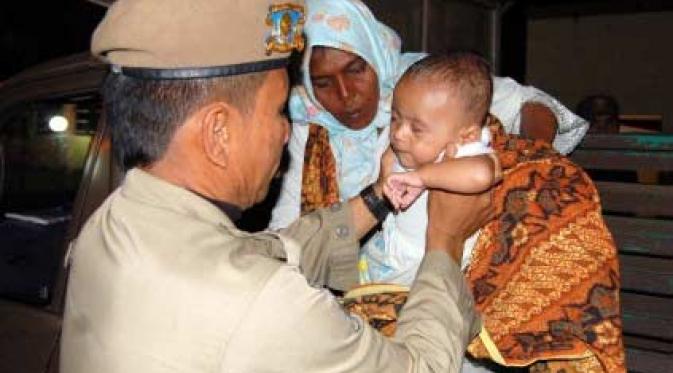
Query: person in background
(602, 112)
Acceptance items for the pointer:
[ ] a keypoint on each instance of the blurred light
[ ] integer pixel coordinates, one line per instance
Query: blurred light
(58, 123)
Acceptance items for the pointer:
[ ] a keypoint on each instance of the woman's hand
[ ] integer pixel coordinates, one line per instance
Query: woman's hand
(538, 122)
(452, 218)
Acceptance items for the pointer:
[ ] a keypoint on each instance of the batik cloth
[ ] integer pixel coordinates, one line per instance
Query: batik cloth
(319, 180)
(544, 272)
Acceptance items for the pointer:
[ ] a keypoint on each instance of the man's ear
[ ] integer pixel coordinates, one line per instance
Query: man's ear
(217, 122)
(471, 133)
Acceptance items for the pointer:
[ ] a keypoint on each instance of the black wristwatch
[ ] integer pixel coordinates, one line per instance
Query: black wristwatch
(379, 207)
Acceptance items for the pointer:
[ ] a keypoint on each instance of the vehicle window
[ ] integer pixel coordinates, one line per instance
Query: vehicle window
(43, 147)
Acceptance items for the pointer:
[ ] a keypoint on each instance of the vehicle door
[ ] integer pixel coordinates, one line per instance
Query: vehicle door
(44, 147)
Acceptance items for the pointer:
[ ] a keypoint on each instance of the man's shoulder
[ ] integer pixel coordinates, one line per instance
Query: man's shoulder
(172, 270)
(137, 231)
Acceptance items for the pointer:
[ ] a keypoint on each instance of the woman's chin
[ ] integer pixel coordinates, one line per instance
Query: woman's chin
(356, 121)
(354, 124)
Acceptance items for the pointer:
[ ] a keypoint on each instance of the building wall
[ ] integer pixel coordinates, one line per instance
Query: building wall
(459, 25)
(444, 25)
(626, 55)
(403, 16)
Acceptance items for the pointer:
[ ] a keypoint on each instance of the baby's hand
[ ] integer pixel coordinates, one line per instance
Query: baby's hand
(402, 189)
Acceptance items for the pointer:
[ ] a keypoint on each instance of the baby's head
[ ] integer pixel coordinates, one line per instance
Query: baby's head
(440, 100)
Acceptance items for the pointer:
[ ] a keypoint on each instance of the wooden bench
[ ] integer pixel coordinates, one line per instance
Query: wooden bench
(640, 217)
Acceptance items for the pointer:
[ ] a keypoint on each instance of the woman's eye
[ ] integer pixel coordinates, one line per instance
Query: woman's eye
(321, 83)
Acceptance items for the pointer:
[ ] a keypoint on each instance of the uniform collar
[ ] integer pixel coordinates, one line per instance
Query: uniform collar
(232, 211)
(146, 188)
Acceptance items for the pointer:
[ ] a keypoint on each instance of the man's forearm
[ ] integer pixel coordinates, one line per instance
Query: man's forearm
(363, 219)
(329, 241)
(439, 319)
(328, 246)
(451, 245)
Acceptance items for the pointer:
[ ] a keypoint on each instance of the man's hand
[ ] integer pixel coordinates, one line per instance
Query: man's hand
(538, 122)
(452, 218)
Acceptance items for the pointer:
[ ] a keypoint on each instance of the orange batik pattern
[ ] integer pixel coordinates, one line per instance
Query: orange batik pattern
(544, 273)
(319, 184)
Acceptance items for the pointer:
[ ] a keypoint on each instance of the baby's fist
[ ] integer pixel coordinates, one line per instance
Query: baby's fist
(402, 189)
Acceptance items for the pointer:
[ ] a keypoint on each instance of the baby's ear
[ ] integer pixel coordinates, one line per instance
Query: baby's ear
(471, 133)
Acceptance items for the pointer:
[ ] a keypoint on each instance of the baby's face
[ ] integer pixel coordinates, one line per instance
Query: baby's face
(425, 119)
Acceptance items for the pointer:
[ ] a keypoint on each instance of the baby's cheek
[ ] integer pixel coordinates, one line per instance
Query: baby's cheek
(424, 156)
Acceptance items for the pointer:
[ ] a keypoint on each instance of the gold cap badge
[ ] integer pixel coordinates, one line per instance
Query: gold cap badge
(287, 23)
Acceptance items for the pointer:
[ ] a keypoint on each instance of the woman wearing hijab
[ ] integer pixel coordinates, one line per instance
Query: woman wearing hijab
(341, 111)
(340, 118)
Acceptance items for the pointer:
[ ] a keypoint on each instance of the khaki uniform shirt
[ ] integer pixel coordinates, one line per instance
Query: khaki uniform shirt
(162, 281)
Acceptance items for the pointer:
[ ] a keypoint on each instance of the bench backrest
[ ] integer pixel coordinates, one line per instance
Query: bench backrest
(634, 175)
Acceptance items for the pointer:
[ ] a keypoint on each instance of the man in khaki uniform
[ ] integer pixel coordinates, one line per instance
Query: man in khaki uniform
(162, 281)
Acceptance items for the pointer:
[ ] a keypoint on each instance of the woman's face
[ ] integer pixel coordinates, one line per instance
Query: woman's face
(345, 85)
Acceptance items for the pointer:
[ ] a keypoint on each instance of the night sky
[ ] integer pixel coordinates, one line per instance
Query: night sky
(32, 32)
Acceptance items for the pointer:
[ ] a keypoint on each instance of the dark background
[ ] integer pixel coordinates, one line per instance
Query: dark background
(36, 31)
(568, 48)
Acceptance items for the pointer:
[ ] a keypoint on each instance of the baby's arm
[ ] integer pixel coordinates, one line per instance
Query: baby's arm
(473, 174)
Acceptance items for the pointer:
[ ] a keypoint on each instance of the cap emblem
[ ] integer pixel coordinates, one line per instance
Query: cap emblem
(287, 22)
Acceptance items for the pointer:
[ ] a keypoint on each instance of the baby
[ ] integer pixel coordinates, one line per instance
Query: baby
(439, 141)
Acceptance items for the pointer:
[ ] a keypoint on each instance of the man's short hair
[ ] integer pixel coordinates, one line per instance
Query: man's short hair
(144, 114)
(464, 73)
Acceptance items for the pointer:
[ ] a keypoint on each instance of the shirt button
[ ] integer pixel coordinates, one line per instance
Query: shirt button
(342, 231)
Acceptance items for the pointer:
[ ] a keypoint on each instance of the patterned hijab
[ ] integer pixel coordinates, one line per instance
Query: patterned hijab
(350, 26)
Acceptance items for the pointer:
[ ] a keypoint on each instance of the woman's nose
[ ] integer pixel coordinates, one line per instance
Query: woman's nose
(342, 88)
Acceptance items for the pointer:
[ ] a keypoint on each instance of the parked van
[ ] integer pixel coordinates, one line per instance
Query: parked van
(55, 169)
